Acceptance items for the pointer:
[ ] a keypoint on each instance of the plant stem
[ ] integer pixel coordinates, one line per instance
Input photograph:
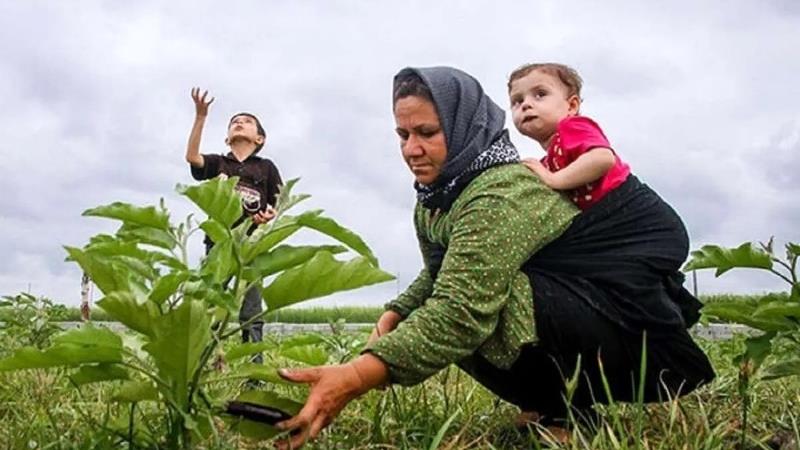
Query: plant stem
(131, 444)
(207, 352)
(782, 276)
(244, 324)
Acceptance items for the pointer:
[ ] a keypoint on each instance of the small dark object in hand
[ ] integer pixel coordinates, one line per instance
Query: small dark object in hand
(256, 413)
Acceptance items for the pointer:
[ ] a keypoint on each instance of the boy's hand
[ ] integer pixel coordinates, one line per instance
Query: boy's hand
(200, 103)
(264, 216)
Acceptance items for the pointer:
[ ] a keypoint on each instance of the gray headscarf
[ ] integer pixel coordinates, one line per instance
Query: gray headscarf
(474, 132)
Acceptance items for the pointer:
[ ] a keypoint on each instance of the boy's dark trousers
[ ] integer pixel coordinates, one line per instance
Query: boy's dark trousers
(251, 307)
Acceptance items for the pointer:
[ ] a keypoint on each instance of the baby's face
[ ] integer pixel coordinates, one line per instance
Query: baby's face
(538, 102)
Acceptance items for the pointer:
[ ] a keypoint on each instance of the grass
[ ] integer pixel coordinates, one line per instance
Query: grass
(39, 409)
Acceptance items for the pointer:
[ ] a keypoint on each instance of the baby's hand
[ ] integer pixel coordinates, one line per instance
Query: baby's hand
(535, 165)
(538, 168)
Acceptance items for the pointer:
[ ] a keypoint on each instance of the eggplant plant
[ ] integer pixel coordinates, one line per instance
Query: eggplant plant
(29, 320)
(774, 317)
(179, 315)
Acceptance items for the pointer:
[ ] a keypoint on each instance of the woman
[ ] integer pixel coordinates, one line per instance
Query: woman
(500, 294)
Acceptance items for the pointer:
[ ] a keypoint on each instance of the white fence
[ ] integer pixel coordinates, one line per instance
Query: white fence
(712, 331)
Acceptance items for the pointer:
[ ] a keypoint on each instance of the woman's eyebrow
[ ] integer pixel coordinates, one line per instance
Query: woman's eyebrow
(425, 127)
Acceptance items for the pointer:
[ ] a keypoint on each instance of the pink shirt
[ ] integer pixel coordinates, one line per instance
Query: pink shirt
(575, 136)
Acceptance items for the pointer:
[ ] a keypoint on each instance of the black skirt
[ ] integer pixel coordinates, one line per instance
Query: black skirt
(604, 288)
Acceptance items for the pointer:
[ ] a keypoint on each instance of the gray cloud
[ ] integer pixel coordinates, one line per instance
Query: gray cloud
(699, 99)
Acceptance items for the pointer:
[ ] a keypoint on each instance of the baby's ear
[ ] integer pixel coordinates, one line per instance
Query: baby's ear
(227, 141)
(260, 139)
(574, 103)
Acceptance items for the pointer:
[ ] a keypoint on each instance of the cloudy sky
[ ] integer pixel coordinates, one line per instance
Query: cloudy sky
(701, 98)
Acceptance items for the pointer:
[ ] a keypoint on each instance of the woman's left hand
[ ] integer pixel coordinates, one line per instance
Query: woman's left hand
(332, 388)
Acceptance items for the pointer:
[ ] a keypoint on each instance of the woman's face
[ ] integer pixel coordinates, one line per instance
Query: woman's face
(422, 139)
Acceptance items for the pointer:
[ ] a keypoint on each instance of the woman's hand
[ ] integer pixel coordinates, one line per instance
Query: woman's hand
(332, 388)
(386, 323)
(200, 103)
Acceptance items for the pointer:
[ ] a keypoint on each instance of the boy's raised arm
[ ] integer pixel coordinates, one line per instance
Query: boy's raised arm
(193, 155)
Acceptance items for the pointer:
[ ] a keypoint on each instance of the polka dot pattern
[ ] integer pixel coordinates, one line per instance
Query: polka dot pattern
(481, 301)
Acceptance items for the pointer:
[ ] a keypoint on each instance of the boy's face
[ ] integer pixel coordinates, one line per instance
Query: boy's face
(538, 102)
(244, 128)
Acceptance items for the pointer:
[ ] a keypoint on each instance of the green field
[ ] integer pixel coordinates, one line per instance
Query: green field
(40, 409)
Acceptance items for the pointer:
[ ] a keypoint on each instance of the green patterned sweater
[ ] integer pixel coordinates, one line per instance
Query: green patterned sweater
(481, 301)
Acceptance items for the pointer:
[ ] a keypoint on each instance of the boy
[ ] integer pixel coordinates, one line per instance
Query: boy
(258, 185)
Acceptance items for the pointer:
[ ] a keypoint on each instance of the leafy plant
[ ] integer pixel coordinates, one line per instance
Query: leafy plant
(180, 315)
(776, 316)
(28, 320)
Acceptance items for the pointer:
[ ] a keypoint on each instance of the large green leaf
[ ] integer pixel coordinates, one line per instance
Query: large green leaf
(241, 231)
(107, 277)
(313, 355)
(251, 371)
(147, 216)
(778, 310)
(90, 335)
(219, 265)
(85, 345)
(321, 275)
(757, 348)
(168, 261)
(744, 313)
(782, 369)
(217, 198)
(165, 286)
(138, 269)
(113, 247)
(329, 226)
(725, 259)
(285, 198)
(301, 339)
(215, 295)
(147, 235)
(264, 238)
(99, 372)
(124, 308)
(239, 351)
(121, 249)
(257, 430)
(215, 230)
(180, 337)
(285, 257)
(792, 250)
(135, 391)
